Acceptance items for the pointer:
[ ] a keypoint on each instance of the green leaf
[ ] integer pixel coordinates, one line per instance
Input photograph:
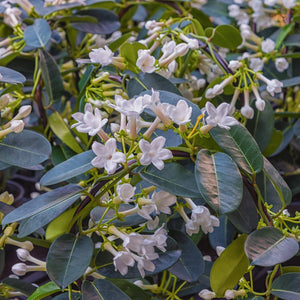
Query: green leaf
(129, 51)
(108, 22)
(74, 166)
(288, 134)
(273, 188)
(284, 32)
(274, 143)
(59, 127)
(222, 192)
(130, 289)
(114, 46)
(44, 290)
(60, 225)
(222, 235)
(190, 265)
(268, 247)
(19, 285)
(38, 34)
(11, 76)
(173, 178)
(24, 149)
(226, 36)
(146, 82)
(68, 258)
(292, 40)
(287, 286)
(261, 126)
(245, 217)
(102, 289)
(240, 146)
(45, 207)
(51, 76)
(228, 269)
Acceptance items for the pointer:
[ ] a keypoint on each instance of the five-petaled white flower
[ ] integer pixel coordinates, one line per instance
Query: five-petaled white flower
(267, 46)
(88, 122)
(219, 116)
(154, 153)
(125, 192)
(107, 156)
(103, 56)
(122, 261)
(145, 61)
(181, 113)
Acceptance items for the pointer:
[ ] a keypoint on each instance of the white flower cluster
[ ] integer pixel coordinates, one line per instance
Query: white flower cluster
(137, 248)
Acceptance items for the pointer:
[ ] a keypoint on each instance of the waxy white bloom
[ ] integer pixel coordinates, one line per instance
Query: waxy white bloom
(219, 116)
(163, 200)
(131, 108)
(122, 261)
(207, 294)
(273, 86)
(153, 223)
(267, 45)
(145, 61)
(181, 113)
(234, 65)
(16, 126)
(103, 56)
(192, 43)
(259, 103)
(281, 64)
(218, 89)
(229, 294)
(289, 3)
(12, 16)
(107, 156)
(144, 264)
(125, 192)
(256, 64)
(89, 122)
(154, 153)
(19, 269)
(247, 111)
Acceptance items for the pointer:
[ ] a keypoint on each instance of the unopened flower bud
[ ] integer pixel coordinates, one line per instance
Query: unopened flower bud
(247, 111)
(23, 254)
(207, 294)
(260, 104)
(24, 111)
(19, 269)
(16, 126)
(219, 250)
(229, 294)
(181, 49)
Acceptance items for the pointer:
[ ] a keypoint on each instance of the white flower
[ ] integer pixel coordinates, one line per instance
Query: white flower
(154, 153)
(191, 227)
(219, 250)
(12, 16)
(159, 238)
(146, 210)
(88, 122)
(23, 254)
(234, 10)
(122, 261)
(267, 46)
(289, 3)
(207, 294)
(229, 294)
(153, 223)
(133, 241)
(247, 111)
(145, 61)
(181, 113)
(146, 264)
(234, 65)
(256, 64)
(192, 43)
(273, 86)
(131, 108)
(163, 200)
(181, 49)
(259, 103)
(19, 269)
(270, 2)
(125, 192)
(107, 156)
(219, 116)
(103, 56)
(281, 64)
(16, 126)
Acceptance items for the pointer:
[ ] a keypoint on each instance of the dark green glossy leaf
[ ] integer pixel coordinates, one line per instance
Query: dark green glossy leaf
(130, 289)
(108, 22)
(292, 40)
(287, 286)
(293, 183)
(102, 289)
(19, 285)
(51, 76)
(76, 165)
(11, 76)
(268, 247)
(222, 235)
(45, 206)
(228, 269)
(226, 36)
(284, 32)
(24, 149)
(222, 192)
(273, 188)
(68, 258)
(38, 34)
(173, 178)
(240, 146)
(146, 81)
(114, 46)
(288, 134)
(261, 126)
(245, 217)
(190, 264)
(44, 290)
(276, 140)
